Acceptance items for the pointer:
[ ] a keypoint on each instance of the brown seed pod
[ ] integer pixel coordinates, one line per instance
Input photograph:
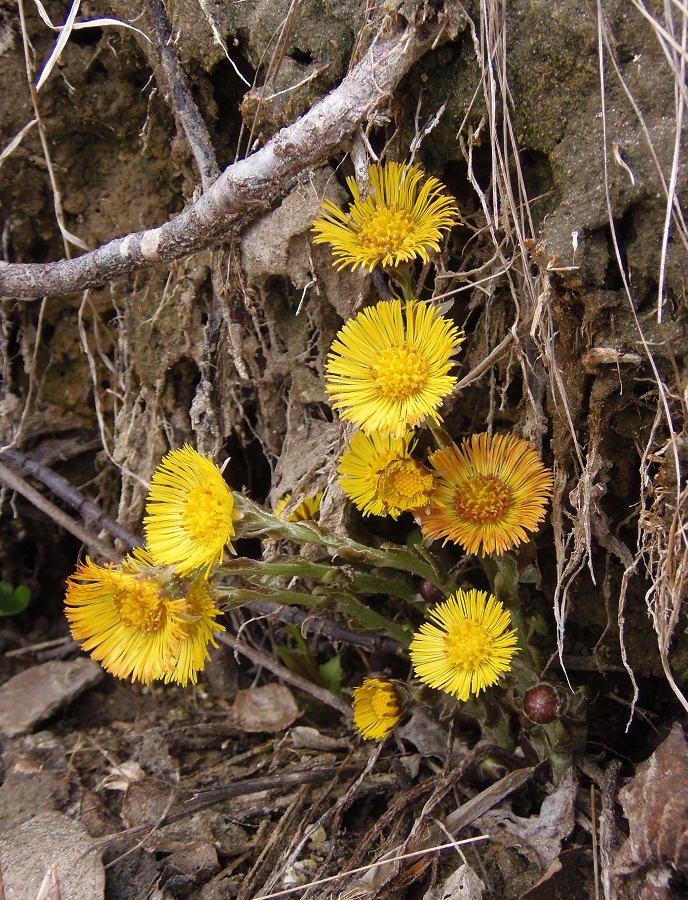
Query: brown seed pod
(542, 704)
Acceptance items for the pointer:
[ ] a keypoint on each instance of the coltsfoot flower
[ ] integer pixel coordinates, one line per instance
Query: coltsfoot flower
(402, 217)
(361, 464)
(386, 372)
(191, 512)
(492, 491)
(199, 627)
(306, 510)
(468, 648)
(125, 618)
(142, 622)
(405, 484)
(377, 708)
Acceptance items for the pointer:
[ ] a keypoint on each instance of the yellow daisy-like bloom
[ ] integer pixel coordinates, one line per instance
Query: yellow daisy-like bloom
(304, 512)
(468, 648)
(376, 708)
(405, 484)
(402, 217)
(198, 623)
(361, 464)
(386, 374)
(191, 512)
(126, 618)
(492, 491)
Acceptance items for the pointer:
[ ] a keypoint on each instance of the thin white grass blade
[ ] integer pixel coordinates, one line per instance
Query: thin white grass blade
(43, 14)
(16, 140)
(60, 44)
(72, 238)
(98, 23)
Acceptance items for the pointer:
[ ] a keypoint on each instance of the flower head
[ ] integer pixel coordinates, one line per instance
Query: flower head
(376, 708)
(126, 618)
(198, 625)
(142, 622)
(492, 491)
(405, 484)
(361, 464)
(306, 510)
(468, 648)
(191, 512)
(402, 217)
(385, 373)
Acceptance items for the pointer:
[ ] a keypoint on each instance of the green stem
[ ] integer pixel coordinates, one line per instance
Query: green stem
(256, 522)
(342, 601)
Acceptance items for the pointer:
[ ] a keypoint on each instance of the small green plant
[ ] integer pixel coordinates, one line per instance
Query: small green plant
(13, 599)
(301, 661)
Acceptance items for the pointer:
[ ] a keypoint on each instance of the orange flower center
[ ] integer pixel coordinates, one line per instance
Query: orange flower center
(482, 499)
(140, 606)
(385, 230)
(400, 372)
(468, 645)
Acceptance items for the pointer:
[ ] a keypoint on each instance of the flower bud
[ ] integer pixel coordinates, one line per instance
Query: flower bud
(542, 704)
(430, 592)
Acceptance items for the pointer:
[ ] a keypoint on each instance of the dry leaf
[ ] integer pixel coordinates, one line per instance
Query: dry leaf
(656, 806)
(538, 838)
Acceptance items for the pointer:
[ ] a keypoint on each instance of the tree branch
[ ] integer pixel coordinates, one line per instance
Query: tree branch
(251, 185)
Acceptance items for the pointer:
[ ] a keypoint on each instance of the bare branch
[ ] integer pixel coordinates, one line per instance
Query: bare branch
(250, 185)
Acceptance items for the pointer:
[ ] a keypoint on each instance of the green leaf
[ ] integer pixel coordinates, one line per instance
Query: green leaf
(13, 600)
(331, 674)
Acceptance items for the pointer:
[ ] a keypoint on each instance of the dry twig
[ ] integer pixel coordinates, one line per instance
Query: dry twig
(250, 185)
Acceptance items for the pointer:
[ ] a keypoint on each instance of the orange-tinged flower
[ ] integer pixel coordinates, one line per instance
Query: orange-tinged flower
(387, 371)
(377, 708)
(402, 217)
(468, 648)
(491, 492)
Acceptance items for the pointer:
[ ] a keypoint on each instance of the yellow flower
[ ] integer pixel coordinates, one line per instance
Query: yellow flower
(361, 464)
(198, 623)
(386, 374)
(468, 649)
(191, 512)
(492, 491)
(126, 618)
(307, 509)
(404, 484)
(402, 217)
(376, 708)
(142, 622)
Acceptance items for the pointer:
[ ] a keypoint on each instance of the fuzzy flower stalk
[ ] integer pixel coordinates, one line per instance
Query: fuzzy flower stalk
(142, 622)
(388, 369)
(190, 513)
(492, 491)
(403, 216)
(466, 647)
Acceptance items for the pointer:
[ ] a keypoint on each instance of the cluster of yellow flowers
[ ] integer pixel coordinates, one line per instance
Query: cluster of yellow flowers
(389, 370)
(145, 619)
